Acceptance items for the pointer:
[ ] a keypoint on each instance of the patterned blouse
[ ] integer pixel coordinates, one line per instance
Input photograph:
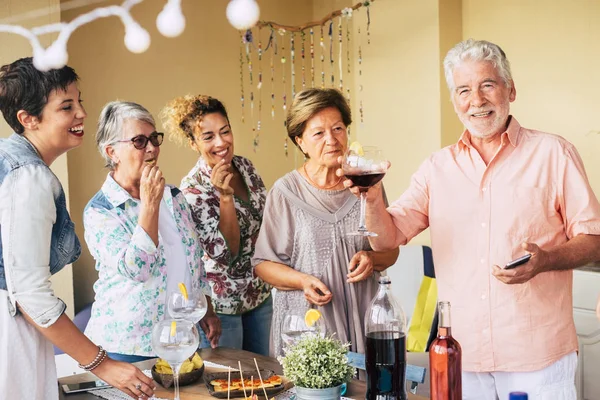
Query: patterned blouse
(235, 288)
(132, 271)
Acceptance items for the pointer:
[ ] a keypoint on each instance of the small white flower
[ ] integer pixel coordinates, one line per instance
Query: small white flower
(347, 12)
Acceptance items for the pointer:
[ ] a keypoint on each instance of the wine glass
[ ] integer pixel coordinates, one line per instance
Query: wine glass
(175, 341)
(364, 167)
(191, 306)
(294, 326)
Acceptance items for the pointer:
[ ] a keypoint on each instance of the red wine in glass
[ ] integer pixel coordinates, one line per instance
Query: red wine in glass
(365, 181)
(364, 168)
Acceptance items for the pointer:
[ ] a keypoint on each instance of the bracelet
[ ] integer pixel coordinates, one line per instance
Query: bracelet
(97, 361)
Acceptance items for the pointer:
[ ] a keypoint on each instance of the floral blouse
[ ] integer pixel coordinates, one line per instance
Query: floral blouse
(132, 271)
(235, 288)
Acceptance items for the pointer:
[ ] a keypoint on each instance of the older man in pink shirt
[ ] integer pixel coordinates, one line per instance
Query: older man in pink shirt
(502, 191)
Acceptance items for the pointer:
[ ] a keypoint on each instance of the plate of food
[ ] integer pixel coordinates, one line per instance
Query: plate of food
(218, 383)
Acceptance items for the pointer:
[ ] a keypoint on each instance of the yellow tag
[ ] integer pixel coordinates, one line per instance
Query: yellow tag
(183, 290)
(357, 148)
(173, 328)
(311, 317)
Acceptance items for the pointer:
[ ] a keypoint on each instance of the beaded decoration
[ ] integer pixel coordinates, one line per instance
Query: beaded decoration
(255, 93)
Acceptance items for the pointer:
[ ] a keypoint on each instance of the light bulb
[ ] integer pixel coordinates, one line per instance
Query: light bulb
(171, 22)
(39, 60)
(243, 14)
(137, 39)
(54, 57)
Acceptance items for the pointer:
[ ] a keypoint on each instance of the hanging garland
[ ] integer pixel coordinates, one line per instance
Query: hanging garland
(335, 27)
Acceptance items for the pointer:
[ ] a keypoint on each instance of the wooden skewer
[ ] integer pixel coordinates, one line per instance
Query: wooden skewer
(228, 381)
(261, 381)
(252, 388)
(242, 378)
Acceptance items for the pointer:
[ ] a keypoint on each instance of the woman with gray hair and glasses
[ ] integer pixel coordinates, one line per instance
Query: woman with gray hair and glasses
(142, 236)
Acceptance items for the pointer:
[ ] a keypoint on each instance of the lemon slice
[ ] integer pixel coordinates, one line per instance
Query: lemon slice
(173, 328)
(357, 148)
(311, 317)
(183, 290)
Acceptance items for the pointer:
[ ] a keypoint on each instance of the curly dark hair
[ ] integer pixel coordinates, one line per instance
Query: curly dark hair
(181, 116)
(23, 87)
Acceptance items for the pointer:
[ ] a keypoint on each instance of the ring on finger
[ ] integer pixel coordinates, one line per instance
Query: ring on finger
(138, 386)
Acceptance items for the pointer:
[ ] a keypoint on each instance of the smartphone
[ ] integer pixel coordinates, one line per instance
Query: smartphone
(519, 261)
(85, 386)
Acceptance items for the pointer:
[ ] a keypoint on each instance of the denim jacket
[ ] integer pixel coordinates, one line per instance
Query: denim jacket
(37, 235)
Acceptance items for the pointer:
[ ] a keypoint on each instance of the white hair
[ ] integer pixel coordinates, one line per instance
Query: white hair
(477, 50)
(110, 124)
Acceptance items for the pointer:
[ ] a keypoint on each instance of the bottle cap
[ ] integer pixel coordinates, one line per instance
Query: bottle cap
(517, 396)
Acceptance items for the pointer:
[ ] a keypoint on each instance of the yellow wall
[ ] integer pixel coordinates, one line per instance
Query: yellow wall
(554, 54)
(13, 47)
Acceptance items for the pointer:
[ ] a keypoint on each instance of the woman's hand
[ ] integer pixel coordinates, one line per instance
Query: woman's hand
(221, 176)
(360, 267)
(211, 325)
(125, 377)
(152, 185)
(315, 291)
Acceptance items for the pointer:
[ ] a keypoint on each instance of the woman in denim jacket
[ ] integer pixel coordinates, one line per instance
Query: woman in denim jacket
(38, 238)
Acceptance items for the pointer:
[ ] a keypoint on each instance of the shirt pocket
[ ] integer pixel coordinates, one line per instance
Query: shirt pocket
(525, 212)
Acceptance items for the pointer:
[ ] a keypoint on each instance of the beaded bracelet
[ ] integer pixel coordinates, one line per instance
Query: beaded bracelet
(97, 361)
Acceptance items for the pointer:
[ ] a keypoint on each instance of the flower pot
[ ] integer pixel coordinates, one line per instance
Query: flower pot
(334, 393)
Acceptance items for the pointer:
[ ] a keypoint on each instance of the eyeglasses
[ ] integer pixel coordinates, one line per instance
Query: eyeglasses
(141, 141)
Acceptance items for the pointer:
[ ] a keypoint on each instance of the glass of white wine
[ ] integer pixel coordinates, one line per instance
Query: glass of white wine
(294, 326)
(190, 305)
(175, 341)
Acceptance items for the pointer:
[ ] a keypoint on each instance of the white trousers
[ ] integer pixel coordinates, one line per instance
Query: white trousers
(555, 382)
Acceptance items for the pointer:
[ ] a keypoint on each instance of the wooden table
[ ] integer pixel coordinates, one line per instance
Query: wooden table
(198, 391)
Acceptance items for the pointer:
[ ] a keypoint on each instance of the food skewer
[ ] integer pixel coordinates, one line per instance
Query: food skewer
(228, 381)
(242, 378)
(252, 388)
(261, 381)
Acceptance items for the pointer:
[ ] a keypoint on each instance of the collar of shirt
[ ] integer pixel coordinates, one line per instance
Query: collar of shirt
(512, 134)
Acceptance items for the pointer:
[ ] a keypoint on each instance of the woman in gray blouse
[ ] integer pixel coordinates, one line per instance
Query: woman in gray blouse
(303, 248)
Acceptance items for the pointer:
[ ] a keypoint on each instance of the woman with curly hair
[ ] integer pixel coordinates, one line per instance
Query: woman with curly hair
(227, 198)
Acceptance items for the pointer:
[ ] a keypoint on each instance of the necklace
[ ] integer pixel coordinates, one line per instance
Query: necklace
(316, 184)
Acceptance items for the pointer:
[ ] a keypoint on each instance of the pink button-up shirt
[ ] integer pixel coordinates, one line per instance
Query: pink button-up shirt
(534, 189)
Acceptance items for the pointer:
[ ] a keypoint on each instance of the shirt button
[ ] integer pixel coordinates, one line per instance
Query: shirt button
(483, 296)
(483, 224)
(484, 189)
(485, 331)
(482, 260)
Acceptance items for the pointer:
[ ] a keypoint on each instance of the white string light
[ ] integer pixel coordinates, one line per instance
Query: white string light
(137, 39)
(171, 22)
(243, 14)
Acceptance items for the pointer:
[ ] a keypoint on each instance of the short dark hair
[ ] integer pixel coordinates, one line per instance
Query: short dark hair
(24, 87)
(309, 102)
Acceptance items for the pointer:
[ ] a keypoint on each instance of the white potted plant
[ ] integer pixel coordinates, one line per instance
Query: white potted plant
(318, 366)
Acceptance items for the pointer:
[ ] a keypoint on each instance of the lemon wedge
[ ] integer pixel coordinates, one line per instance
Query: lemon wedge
(311, 317)
(183, 290)
(356, 148)
(173, 328)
